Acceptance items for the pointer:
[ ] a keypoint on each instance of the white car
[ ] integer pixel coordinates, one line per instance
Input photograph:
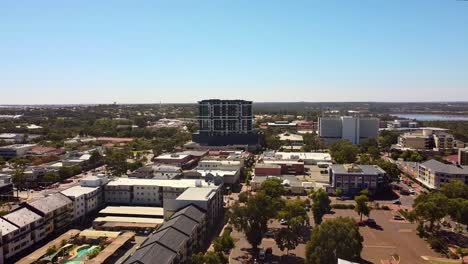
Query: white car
(412, 191)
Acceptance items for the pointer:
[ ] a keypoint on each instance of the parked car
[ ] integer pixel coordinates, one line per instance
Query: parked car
(342, 198)
(412, 191)
(262, 254)
(398, 217)
(397, 202)
(283, 222)
(371, 222)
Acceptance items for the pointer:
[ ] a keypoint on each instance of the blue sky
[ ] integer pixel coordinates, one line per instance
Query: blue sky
(183, 51)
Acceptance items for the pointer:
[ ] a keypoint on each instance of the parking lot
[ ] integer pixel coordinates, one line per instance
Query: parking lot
(386, 238)
(389, 237)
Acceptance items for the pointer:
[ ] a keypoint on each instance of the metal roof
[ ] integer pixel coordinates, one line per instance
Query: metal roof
(438, 166)
(133, 210)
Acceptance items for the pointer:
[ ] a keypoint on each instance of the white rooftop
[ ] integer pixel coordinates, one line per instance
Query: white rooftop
(6, 227)
(18, 146)
(221, 162)
(303, 155)
(217, 172)
(133, 210)
(172, 156)
(292, 137)
(22, 217)
(137, 220)
(203, 194)
(182, 183)
(77, 191)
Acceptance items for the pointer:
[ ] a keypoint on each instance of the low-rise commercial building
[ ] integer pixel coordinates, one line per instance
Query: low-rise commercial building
(309, 158)
(352, 178)
(426, 138)
(433, 174)
(157, 171)
(6, 187)
(16, 150)
(181, 160)
(291, 139)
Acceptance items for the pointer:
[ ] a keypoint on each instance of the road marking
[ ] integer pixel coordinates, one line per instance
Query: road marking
(405, 230)
(375, 246)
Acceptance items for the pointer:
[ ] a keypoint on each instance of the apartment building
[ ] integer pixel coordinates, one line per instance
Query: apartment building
(210, 199)
(352, 178)
(463, 156)
(433, 174)
(427, 138)
(443, 140)
(174, 242)
(85, 200)
(20, 229)
(225, 122)
(132, 191)
(350, 128)
(56, 209)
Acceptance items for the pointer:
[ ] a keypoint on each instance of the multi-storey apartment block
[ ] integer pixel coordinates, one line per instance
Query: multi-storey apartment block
(350, 128)
(225, 122)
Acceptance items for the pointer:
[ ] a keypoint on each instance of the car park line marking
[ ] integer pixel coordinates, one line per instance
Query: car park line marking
(377, 246)
(405, 230)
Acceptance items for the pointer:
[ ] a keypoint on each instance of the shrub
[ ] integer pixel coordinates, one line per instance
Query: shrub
(438, 244)
(342, 206)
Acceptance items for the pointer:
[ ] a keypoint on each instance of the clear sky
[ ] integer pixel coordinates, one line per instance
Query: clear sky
(183, 51)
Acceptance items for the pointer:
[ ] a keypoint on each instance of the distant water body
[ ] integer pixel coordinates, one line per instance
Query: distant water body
(429, 117)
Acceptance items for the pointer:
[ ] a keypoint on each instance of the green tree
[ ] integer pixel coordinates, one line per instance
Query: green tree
(333, 239)
(117, 161)
(272, 187)
(51, 177)
(294, 212)
(286, 239)
(362, 207)
(366, 144)
(18, 176)
(387, 139)
(223, 243)
(320, 206)
(364, 192)
(95, 158)
(455, 189)
(312, 142)
(215, 258)
(431, 208)
(338, 192)
(391, 169)
(272, 140)
(252, 217)
(343, 151)
(2, 162)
